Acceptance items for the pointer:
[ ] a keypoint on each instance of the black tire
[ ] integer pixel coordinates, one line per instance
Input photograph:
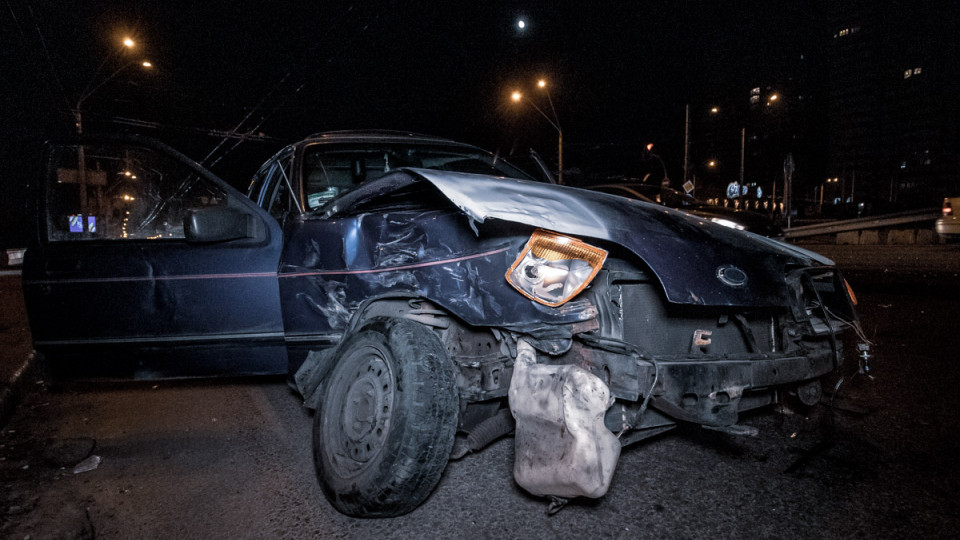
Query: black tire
(385, 428)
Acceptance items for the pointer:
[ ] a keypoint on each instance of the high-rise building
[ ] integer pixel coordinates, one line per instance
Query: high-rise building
(892, 75)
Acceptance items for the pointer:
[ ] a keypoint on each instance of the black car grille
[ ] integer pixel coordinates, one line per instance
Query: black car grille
(649, 322)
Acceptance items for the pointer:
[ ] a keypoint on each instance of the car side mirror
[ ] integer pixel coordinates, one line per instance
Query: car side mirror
(218, 224)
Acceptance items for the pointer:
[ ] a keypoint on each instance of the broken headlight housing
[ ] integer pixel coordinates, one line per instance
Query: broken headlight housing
(553, 268)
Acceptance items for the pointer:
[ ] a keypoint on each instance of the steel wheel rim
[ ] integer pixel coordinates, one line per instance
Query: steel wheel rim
(367, 404)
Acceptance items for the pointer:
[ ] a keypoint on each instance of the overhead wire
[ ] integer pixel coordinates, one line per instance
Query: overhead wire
(343, 45)
(43, 46)
(237, 133)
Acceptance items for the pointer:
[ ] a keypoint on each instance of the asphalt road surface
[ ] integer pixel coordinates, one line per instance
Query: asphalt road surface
(232, 459)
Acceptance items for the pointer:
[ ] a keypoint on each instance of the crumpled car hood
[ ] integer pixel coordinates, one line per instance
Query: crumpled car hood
(696, 261)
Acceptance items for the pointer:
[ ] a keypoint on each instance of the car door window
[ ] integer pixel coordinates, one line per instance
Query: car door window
(271, 187)
(108, 192)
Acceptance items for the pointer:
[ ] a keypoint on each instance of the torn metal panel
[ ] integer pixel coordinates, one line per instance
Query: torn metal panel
(686, 253)
(331, 266)
(712, 392)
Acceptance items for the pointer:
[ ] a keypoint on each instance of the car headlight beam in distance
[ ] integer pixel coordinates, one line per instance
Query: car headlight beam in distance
(553, 268)
(727, 223)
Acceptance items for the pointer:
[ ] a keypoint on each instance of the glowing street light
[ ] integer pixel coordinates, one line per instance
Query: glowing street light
(823, 185)
(555, 122)
(665, 181)
(93, 85)
(91, 88)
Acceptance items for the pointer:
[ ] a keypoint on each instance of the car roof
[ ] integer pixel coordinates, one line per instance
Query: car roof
(634, 185)
(380, 135)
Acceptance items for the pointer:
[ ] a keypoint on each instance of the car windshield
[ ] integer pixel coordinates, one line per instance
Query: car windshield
(330, 170)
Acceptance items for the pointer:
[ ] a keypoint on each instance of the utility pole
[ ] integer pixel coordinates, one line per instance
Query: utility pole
(686, 146)
(788, 168)
(743, 146)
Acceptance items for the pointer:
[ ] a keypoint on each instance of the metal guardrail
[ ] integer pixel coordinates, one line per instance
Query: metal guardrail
(10, 261)
(875, 222)
(13, 257)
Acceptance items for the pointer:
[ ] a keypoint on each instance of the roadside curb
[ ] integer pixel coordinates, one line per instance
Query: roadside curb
(11, 390)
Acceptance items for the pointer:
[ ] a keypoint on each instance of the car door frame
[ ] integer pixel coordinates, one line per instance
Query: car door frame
(198, 309)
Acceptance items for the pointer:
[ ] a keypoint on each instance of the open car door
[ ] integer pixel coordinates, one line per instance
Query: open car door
(147, 265)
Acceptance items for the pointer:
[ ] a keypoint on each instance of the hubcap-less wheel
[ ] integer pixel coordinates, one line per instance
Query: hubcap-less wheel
(365, 418)
(384, 430)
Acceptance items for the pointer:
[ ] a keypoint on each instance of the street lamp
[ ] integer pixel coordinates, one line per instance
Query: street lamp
(666, 179)
(93, 85)
(823, 185)
(555, 122)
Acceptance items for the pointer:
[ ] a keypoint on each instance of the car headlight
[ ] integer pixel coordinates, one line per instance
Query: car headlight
(727, 223)
(553, 268)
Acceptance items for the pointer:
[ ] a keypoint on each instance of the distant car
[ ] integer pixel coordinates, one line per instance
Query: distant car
(729, 217)
(423, 309)
(948, 225)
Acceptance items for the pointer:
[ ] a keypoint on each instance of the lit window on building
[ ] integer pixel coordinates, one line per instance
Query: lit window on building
(755, 91)
(847, 31)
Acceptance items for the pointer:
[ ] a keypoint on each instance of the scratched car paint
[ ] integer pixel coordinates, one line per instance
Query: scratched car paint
(425, 297)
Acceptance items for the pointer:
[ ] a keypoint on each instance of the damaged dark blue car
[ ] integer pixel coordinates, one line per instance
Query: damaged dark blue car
(426, 297)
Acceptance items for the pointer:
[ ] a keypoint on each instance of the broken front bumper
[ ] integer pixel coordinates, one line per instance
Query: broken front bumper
(570, 427)
(715, 392)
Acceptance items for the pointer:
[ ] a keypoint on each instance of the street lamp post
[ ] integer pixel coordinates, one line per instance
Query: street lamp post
(76, 111)
(822, 186)
(665, 181)
(94, 85)
(542, 83)
(91, 88)
(555, 122)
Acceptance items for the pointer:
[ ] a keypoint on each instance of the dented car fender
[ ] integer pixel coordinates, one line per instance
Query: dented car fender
(696, 262)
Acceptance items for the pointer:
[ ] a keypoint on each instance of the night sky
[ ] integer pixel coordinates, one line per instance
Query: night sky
(620, 72)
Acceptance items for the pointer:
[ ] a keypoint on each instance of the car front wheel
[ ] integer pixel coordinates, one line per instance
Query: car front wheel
(385, 428)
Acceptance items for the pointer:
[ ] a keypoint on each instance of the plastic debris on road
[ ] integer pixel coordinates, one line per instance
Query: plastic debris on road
(87, 465)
